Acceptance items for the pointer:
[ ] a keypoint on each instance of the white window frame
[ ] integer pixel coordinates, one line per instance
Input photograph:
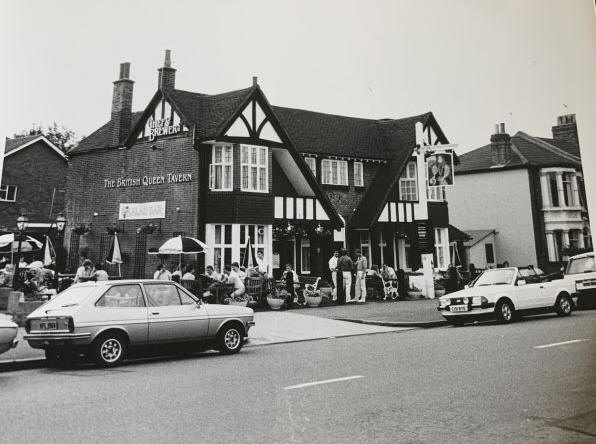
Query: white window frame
(312, 164)
(5, 192)
(261, 242)
(304, 243)
(365, 245)
(223, 164)
(407, 180)
(436, 194)
(442, 245)
(359, 178)
(262, 170)
(330, 163)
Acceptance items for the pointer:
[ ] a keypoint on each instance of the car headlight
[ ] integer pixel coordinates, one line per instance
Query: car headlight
(479, 300)
(465, 301)
(443, 302)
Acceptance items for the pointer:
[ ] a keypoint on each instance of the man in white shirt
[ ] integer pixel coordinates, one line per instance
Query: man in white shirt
(333, 269)
(234, 278)
(210, 271)
(162, 274)
(262, 266)
(85, 272)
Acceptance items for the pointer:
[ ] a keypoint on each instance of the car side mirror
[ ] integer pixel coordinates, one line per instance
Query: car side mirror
(521, 282)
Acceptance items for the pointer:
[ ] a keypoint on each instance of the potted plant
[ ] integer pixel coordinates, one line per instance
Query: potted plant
(415, 292)
(236, 300)
(277, 298)
(439, 290)
(312, 296)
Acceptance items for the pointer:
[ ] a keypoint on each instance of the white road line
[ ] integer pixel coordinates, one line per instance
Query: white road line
(561, 343)
(327, 381)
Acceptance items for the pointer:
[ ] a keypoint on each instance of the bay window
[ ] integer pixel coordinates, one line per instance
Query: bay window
(220, 170)
(408, 183)
(229, 243)
(335, 172)
(254, 168)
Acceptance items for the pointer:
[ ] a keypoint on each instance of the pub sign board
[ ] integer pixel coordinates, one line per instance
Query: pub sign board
(439, 167)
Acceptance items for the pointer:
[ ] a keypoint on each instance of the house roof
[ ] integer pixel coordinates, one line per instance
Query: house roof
(455, 234)
(569, 147)
(526, 151)
(476, 236)
(100, 138)
(16, 144)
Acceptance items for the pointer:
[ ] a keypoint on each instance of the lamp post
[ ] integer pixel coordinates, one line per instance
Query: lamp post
(60, 223)
(22, 224)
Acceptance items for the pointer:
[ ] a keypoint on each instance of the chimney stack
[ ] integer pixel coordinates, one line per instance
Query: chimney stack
(255, 81)
(121, 115)
(566, 129)
(166, 79)
(500, 145)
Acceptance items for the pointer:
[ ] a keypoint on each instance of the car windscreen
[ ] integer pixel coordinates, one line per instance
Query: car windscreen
(501, 276)
(581, 265)
(70, 297)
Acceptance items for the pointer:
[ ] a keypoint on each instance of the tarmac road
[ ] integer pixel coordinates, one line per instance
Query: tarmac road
(486, 383)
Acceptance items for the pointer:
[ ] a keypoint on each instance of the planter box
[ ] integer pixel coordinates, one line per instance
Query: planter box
(275, 303)
(439, 293)
(313, 301)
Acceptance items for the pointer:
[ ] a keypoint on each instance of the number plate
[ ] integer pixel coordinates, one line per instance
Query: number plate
(458, 308)
(48, 325)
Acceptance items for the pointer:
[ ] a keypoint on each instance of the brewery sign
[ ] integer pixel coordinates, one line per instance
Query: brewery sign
(162, 127)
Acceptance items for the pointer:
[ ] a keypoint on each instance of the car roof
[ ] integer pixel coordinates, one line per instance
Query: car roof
(119, 281)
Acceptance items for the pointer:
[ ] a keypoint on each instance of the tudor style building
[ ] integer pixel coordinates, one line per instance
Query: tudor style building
(228, 166)
(524, 197)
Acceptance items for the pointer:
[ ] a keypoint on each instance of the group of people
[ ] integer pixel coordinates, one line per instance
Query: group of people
(343, 270)
(37, 277)
(89, 272)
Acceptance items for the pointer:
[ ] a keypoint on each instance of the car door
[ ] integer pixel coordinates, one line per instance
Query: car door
(123, 305)
(529, 293)
(174, 315)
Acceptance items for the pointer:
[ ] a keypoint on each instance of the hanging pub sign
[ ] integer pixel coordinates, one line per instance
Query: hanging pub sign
(439, 168)
(162, 127)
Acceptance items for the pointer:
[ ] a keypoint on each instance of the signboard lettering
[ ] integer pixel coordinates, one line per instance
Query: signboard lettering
(142, 210)
(125, 182)
(162, 127)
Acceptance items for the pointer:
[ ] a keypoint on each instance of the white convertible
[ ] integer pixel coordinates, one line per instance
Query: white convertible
(505, 293)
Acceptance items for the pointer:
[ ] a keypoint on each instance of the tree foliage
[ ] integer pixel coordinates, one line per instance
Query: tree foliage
(62, 137)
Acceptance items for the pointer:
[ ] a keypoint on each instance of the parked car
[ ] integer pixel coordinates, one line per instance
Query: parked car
(107, 318)
(8, 335)
(580, 278)
(504, 294)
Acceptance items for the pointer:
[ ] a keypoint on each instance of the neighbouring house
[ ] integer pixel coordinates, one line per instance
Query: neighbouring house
(226, 167)
(529, 192)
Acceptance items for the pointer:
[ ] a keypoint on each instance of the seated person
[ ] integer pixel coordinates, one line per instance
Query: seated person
(189, 275)
(234, 278)
(85, 272)
(100, 273)
(388, 272)
(292, 283)
(212, 274)
(373, 271)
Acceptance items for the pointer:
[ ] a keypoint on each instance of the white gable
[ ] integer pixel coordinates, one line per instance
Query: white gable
(252, 123)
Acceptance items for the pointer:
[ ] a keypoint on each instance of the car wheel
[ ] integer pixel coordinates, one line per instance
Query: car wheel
(230, 339)
(505, 312)
(109, 350)
(563, 305)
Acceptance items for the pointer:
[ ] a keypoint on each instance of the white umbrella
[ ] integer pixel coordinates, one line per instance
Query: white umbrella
(114, 255)
(181, 245)
(48, 252)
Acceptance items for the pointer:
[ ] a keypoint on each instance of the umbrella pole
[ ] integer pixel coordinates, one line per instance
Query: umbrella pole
(180, 264)
(119, 272)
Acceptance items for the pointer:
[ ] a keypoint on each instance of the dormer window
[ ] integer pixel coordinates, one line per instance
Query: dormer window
(408, 183)
(312, 164)
(335, 172)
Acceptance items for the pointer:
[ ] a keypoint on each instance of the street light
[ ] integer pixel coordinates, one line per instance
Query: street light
(22, 224)
(60, 222)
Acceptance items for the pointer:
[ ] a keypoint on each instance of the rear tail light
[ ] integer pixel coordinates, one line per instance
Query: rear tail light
(28, 325)
(70, 324)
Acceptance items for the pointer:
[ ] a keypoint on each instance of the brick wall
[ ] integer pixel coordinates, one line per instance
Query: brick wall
(87, 194)
(36, 171)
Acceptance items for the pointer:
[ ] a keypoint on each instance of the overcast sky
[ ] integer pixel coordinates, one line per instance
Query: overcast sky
(472, 62)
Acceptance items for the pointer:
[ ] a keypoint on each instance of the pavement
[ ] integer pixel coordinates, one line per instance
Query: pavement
(532, 381)
(271, 327)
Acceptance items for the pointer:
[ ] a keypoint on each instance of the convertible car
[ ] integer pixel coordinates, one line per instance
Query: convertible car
(105, 319)
(505, 294)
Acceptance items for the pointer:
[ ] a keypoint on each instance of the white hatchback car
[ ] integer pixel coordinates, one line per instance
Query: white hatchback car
(505, 293)
(580, 278)
(105, 319)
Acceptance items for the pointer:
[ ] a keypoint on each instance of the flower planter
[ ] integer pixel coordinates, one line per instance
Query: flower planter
(415, 294)
(313, 301)
(326, 292)
(439, 292)
(275, 303)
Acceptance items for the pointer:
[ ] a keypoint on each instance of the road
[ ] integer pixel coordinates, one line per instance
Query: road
(486, 383)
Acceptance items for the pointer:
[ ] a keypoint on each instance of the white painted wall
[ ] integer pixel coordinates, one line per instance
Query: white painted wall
(477, 253)
(499, 200)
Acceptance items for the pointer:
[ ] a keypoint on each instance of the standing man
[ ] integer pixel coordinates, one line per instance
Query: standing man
(345, 267)
(262, 266)
(361, 266)
(333, 269)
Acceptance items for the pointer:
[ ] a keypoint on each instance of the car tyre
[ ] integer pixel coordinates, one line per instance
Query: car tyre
(230, 339)
(505, 312)
(109, 350)
(563, 306)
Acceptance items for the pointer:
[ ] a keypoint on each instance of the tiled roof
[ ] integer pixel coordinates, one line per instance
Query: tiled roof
(477, 235)
(569, 147)
(329, 134)
(13, 144)
(100, 138)
(526, 151)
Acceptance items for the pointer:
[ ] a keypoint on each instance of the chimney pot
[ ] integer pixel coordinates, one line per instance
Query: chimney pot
(166, 79)
(255, 80)
(168, 60)
(566, 129)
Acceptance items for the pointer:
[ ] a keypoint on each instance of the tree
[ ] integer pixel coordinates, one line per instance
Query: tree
(62, 137)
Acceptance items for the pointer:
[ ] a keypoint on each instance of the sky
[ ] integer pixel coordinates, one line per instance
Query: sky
(473, 63)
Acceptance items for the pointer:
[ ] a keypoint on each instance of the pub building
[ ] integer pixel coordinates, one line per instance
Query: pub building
(228, 166)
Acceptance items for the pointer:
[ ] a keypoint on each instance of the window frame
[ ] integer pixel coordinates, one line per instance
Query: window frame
(249, 165)
(405, 177)
(223, 164)
(304, 243)
(338, 163)
(6, 190)
(360, 176)
(313, 165)
(492, 252)
(442, 243)
(172, 285)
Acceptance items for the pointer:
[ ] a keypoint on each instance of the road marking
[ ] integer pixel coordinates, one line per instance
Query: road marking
(561, 343)
(327, 381)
